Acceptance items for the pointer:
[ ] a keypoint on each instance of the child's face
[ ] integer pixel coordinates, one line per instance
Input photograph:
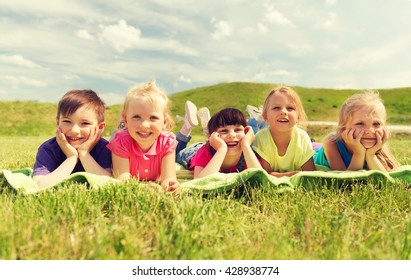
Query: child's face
(231, 135)
(77, 127)
(369, 123)
(145, 121)
(281, 113)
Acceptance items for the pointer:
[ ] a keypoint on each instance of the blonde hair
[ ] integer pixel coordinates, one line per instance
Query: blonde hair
(150, 92)
(291, 93)
(374, 105)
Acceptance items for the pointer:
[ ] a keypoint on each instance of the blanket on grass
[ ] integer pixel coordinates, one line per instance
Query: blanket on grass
(20, 180)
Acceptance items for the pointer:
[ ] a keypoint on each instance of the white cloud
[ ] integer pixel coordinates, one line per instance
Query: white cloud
(366, 58)
(84, 34)
(32, 82)
(222, 30)
(274, 16)
(269, 75)
(18, 60)
(300, 49)
(112, 98)
(109, 46)
(167, 45)
(262, 27)
(44, 8)
(184, 79)
(330, 23)
(330, 2)
(124, 37)
(9, 80)
(15, 82)
(71, 77)
(121, 36)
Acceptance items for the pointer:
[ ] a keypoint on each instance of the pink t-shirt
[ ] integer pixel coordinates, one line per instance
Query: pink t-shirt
(143, 165)
(203, 157)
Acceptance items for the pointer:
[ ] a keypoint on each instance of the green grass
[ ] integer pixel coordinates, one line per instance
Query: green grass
(131, 221)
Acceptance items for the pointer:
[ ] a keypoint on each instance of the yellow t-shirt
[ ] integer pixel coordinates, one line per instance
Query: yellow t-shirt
(299, 151)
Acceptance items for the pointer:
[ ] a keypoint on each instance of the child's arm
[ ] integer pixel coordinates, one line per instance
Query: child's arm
(333, 155)
(121, 167)
(373, 163)
(358, 150)
(88, 162)
(249, 155)
(65, 169)
(168, 172)
(309, 165)
(266, 166)
(217, 160)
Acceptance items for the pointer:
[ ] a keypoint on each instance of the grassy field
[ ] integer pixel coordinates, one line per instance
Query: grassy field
(133, 222)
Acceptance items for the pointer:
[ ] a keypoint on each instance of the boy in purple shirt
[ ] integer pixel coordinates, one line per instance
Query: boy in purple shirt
(78, 145)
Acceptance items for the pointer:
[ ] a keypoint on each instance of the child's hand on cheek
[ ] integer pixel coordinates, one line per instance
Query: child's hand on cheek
(93, 138)
(216, 142)
(385, 135)
(248, 138)
(382, 137)
(354, 143)
(65, 146)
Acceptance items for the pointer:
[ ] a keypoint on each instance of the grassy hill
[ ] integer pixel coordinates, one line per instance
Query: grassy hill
(28, 118)
(320, 104)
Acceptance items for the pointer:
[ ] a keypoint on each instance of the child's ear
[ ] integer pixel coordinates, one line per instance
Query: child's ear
(101, 126)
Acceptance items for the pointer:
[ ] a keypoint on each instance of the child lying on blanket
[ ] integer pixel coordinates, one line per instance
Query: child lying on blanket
(78, 145)
(257, 123)
(284, 148)
(229, 142)
(144, 149)
(360, 139)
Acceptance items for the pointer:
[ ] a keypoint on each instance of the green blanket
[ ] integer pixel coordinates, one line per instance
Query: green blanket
(21, 181)
(307, 179)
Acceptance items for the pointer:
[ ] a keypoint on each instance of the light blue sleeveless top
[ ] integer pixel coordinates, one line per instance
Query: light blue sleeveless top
(320, 159)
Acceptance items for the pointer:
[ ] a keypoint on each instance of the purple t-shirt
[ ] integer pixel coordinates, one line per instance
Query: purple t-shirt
(50, 157)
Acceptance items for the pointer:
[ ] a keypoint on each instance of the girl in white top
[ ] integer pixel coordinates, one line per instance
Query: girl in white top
(284, 149)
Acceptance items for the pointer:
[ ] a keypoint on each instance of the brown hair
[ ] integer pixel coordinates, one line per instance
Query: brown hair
(74, 99)
(227, 116)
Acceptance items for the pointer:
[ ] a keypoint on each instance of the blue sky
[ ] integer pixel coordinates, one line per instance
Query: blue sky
(49, 47)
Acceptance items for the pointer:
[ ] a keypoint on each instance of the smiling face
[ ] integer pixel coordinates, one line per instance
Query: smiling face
(232, 134)
(77, 127)
(370, 123)
(281, 113)
(145, 121)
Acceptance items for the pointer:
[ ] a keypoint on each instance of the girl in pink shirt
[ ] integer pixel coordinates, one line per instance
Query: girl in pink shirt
(146, 150)
(228, 148)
